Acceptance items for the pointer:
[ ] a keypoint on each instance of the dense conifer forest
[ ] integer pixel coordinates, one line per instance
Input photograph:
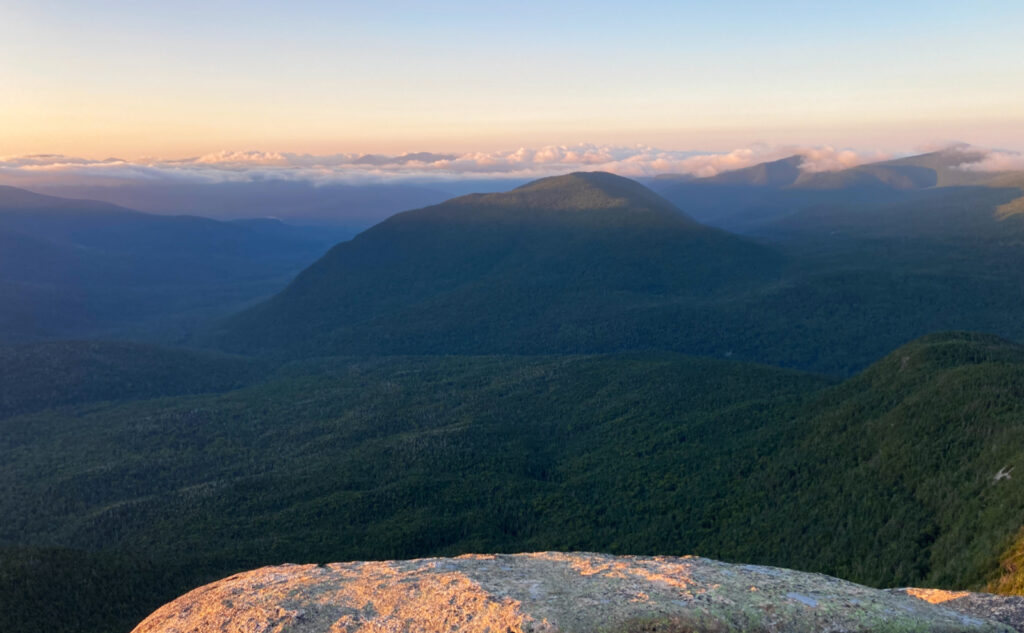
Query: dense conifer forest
(887, 478)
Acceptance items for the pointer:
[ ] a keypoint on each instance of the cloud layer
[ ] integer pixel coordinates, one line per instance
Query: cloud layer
(522, 163)
(233, 166)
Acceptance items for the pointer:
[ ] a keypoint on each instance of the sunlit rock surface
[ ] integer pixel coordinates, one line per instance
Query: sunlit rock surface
(547, 592)
(1006, 609)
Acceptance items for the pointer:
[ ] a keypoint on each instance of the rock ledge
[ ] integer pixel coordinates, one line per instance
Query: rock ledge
(549, 592)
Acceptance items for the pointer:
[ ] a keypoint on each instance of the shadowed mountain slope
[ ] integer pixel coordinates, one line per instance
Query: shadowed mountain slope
(81, 268)
(522, 271)
(873, 176)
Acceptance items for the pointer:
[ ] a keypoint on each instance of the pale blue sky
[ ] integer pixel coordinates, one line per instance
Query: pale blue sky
(186, 77)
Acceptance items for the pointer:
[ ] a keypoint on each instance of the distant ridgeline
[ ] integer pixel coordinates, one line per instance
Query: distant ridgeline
(81, 268)
(839, 268)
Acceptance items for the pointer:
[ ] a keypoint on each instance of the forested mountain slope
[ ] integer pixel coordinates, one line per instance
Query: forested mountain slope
(562, 264)
(889, 478)
(46, 375)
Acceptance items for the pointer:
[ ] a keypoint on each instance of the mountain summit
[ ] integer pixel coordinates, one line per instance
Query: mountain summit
(583, 191)
(778, 173)
(580, 198)
(564, 263)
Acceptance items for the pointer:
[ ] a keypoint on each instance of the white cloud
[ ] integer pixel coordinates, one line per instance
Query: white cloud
(817, 159)
(997, 161)
(229, 158)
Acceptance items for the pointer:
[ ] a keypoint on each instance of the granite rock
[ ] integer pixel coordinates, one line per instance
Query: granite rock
(549, 592)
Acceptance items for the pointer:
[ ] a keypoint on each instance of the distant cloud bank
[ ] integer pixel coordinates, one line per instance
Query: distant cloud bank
(523, 163)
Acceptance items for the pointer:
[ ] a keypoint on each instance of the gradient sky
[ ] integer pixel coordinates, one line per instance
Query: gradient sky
(172, 79)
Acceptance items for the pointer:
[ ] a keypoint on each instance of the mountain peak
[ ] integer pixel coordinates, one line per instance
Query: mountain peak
(776, 173)
(577, 192)
(594, 181)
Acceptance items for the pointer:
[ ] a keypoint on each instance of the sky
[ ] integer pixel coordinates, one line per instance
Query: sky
(148, 80)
